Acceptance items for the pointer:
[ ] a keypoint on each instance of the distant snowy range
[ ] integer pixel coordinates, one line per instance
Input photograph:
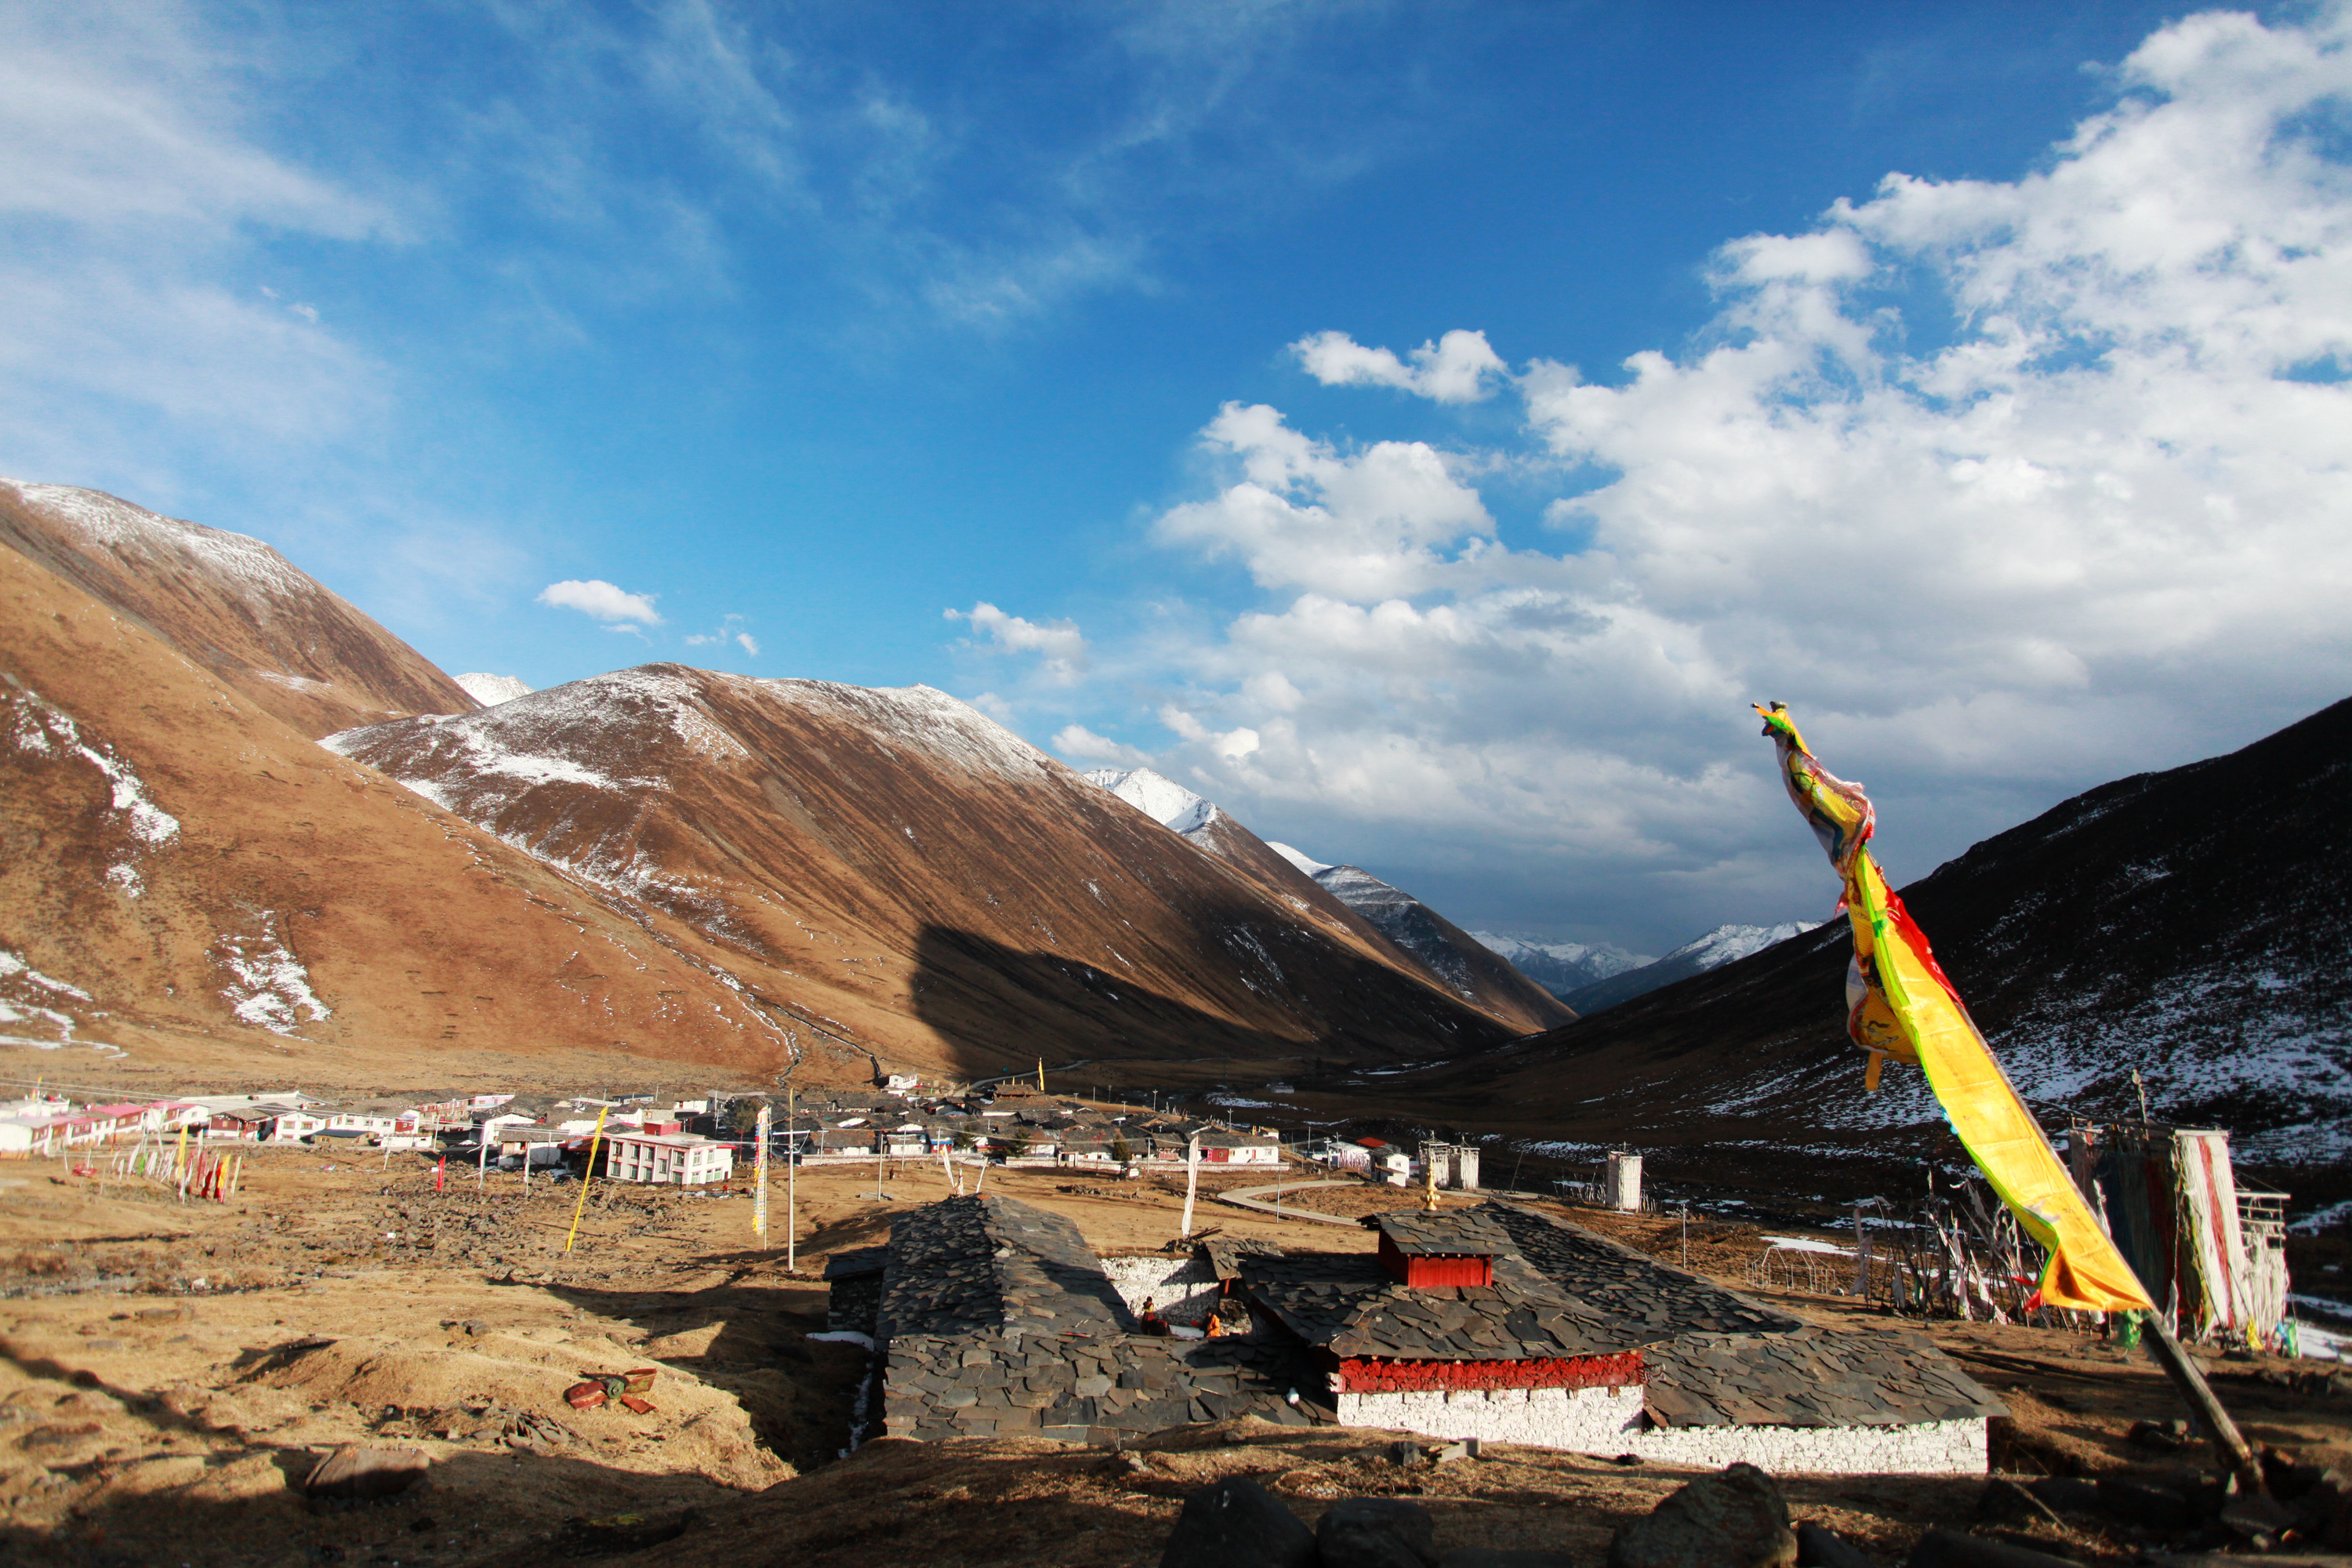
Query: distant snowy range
(1586, 977)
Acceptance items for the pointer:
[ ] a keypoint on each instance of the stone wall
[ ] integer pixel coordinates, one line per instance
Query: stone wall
(1581, 1420)
(1184, 1289)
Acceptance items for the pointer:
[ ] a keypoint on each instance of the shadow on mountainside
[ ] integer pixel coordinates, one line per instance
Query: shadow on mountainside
(1000, 1008)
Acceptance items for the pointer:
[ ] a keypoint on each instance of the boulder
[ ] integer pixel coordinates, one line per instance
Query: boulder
(1489, 1557)
(1376, 1532)
(1734, 1519)
(1821, 1547)
(1237, 1523)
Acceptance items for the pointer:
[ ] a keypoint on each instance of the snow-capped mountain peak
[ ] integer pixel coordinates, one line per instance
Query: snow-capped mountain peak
(1306, 863)
(1163, 800)
(489, 690)
(1561, 967)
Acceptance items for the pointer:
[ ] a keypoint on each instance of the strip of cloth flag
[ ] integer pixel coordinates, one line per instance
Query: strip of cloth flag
(1900, 1005)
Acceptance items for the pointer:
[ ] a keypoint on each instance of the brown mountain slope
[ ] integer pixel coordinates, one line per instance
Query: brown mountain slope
(900, 872)
(2191, 925)
(1485, 979)
(184, 875)
(231, 604)
(1480, 977)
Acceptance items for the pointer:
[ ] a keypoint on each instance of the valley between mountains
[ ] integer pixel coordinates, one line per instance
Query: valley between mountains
(251, 839)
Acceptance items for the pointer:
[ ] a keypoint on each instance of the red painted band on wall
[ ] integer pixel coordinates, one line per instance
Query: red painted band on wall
(1373, 1374)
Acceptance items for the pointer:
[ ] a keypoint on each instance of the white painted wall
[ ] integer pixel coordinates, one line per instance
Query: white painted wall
(1184, 1289)
(1580, 1420)
(1610, 1421)
(1922, 1448)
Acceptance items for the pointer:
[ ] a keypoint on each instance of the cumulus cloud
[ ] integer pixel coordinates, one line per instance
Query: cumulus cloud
(601, 599)
(1082, 744)
(1063, 647)
(1458, 368)
(1304, 515)
(2008, 488)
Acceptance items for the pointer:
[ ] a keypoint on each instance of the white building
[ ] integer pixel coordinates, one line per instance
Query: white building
(670, 1157)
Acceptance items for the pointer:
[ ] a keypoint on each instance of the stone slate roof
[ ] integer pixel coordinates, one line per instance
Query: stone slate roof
(1224, 1253)
(1087, 1390)
(981, 1262)
(1612, 1277)
(1348, 1304)
(1457, 1235)
(1813, 1377)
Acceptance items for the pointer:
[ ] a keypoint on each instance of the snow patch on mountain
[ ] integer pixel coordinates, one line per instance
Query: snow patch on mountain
(489, 690)
(40, 727)
(920, 716)
(26, 995)
(1163, 800)
(244, 562)
(268, 985)
(1306, 863)
(1724, 944)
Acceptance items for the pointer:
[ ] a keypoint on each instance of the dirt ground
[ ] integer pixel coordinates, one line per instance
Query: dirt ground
(169, 1371)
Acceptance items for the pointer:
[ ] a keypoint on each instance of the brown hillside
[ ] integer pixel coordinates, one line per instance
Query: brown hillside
(184, 876)
(231, 604)
(900, 872)
(1496, 989)
(2187, 925)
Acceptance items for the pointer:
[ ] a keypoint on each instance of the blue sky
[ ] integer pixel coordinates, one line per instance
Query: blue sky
(781, 333)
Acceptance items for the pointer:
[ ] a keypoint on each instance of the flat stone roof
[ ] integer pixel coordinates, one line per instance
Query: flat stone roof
(1608, 1276)
(1813, 1377)
(1349, 1303)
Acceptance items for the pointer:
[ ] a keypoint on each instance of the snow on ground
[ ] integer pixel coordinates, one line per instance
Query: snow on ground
(268, 984)
(1163, 800)
(489, 690)
(1305, 862)
(26, 995)
(2314, 1223)
(1807, 1244)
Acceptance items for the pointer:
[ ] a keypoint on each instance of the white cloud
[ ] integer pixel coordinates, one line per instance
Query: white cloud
(2008, 488)
(1303, 515)
(139, 202)
(729, 630)
(1458, 368)
(1077, 742)
(1061, 643)
(601, 599)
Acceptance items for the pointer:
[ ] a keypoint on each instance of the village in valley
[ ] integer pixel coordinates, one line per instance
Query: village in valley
(1074, 786)
(534, 1327)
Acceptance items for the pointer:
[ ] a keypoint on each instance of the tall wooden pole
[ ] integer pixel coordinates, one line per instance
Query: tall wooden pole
(2200, 1393)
